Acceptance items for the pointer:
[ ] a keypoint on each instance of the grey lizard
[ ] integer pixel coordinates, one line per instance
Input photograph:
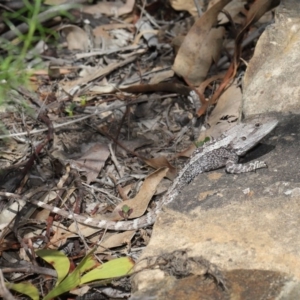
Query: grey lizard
(223, 152)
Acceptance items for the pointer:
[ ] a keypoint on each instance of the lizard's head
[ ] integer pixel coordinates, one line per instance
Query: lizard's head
(250, 133)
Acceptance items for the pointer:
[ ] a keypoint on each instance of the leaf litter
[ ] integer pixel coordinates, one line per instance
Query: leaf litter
(117, 94)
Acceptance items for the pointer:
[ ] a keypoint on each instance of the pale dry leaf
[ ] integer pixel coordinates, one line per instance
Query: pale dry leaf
(102, 38)
(226, 112)
(112, 8)
(187, 152)
(8, 214)
(215, 42)
(150, 124)
(147, 31)
(86, 71)
(112, 240)
(136, 143)
(234, 8)
(133, 144)
(190, 62)
(161, 76)
(223, 117)
(188, 5)
(162, 162)
(103, 89)
(258, 9)
(84, 230)
(81, 291)
(77, 38)
(92, 161)
(60, 235)
(72, 87)
(139, 203)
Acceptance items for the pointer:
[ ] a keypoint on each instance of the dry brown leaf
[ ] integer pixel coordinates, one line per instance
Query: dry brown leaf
(227, 110)
(112, 240)
(77, 38)
(161, 162)
(60, 235)
(234, 8)
(112, 8)
(188, 5)
(258, 9)
(92, 161)
(133, 144)
(72, 87)
(84, 230)
(139, 203)
(187, 152)
(194, 56)
(224, 115)
(161, 76)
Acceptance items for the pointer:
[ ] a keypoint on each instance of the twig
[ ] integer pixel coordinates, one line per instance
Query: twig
(73, 121)
(42, 17)
(4, 292)
(115, 161)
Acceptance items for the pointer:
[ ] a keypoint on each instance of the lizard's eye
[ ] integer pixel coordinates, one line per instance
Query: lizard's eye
(257, 124)
(243, 138)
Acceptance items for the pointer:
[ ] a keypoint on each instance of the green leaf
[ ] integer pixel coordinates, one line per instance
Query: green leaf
(58, 260)
(25, 288)
(125, 208)
(73, 280)
(115, 268)
(201, 143)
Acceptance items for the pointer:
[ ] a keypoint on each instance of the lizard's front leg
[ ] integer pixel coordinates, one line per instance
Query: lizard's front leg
(232, 165)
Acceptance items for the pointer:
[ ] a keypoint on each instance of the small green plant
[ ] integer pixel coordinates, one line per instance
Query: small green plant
(125, 212)
(88, 270)
(13, 54)
(70, 108)
(201, 143)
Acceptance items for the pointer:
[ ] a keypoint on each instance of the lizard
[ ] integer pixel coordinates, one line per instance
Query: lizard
(222, 152)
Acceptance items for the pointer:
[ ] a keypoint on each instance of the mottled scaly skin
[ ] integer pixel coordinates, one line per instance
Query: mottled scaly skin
(223, 152)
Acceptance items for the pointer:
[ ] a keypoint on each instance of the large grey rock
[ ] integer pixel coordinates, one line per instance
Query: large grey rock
(248, 221)
(271, 82)
(247, 225)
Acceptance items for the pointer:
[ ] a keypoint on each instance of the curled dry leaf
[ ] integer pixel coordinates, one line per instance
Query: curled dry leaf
(76, 37)
(223, 117)
(187, 152)
(257, 9)
(139, 203)
(188, 5)
(226, 112)
(92, 161)
(161, 162)
(235, 9)
(195, 54)
(112, 240)
(112, 8)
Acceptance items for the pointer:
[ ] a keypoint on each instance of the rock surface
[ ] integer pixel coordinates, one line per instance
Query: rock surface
(247, 224)
(271, 82)
(240, 222)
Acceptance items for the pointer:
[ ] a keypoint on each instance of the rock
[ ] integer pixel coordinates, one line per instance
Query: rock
(242, 284)
(271, 82)
(244, 222)
(246, 225)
